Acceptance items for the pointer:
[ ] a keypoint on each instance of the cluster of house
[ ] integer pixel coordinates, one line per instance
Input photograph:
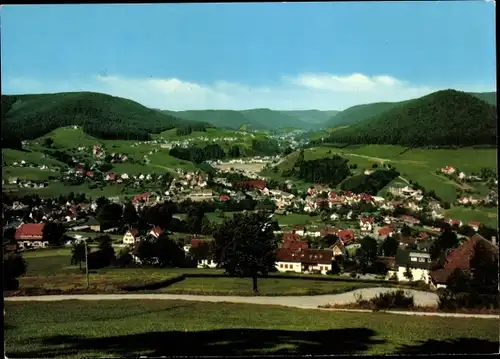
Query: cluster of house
(24, 163)
(23, 183)
(255, 159)
(454, 172)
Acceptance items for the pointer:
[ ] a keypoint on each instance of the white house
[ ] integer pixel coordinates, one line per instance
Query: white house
(417, 262)
(304, 260)
(210, 263)
(131, 236)
(366, 224)
(334, 216)
(124, 176)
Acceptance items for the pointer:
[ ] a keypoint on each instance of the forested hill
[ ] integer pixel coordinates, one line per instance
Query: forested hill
(311, 118)
(102, 116)
(256, 119)
(273, 119)
(443, 118)
(489, 97)
(359, 113)
(220, 118)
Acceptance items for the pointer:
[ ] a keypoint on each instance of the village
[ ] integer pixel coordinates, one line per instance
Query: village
(337, 222)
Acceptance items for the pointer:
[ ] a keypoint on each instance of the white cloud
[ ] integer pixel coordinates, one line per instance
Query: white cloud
(303, 91)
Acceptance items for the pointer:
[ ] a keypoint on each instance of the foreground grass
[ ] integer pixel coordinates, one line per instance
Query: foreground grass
(78, 329)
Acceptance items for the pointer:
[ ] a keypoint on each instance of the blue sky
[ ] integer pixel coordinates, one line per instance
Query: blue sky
(281, 56)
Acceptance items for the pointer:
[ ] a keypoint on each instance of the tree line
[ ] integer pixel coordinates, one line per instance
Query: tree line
(369, 184)
(331, 171)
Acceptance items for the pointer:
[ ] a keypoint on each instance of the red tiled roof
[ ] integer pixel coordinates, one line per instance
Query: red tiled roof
(330, 230)
(140, 197)
(290, 244)
(290, 236)
(346, 236)
(320, 256)
(460, 258)
(111, 175)
(367, 219)
(90, 174)
(423, 235)
(332, 195)
(157, 231)
(196, 242)
(133, 231)
(385, 231)
(30, 231)
(258, 184)
(224, 198)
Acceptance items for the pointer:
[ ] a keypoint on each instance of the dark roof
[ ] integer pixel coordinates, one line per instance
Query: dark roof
(460, 258)
(320, 256)
(92, 222)
(403, 258)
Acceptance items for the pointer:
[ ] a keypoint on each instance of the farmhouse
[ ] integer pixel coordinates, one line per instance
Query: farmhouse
(449, 170)
(304, 260)
(416, 262)
(30, 235)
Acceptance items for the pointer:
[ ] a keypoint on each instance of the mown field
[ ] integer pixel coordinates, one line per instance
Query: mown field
(115, 328)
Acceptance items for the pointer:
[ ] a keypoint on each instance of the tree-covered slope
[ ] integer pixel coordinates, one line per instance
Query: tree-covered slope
(219, 118)
(271, 119)
(359, 113)
(488, 97)
(311, 118)
(100, 115)
(443, 118)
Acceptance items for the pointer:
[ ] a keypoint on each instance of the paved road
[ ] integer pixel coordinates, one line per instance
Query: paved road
(305, 302)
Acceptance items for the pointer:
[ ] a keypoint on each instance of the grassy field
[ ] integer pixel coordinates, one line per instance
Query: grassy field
(51, 269)
(83, 329)
(10, 156)
(27, 173)
(418, 165)
(487, 216)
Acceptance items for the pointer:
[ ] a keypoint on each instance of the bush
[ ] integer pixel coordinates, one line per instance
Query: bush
(453, 301)
(392, 300)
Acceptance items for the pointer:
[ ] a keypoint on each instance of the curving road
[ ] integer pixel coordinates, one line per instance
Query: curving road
(305, 302)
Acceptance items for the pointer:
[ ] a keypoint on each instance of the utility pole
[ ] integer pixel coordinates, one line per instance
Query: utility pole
(87, 265)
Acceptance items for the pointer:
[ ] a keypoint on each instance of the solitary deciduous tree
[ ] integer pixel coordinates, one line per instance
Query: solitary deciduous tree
(245, 245)
(78, 254)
